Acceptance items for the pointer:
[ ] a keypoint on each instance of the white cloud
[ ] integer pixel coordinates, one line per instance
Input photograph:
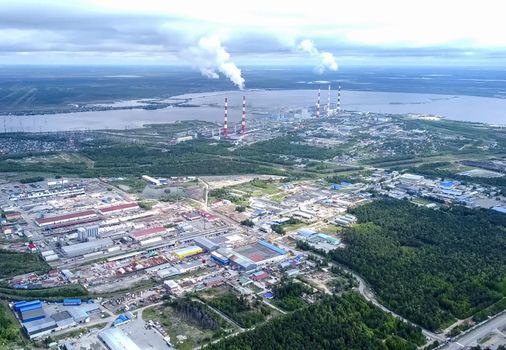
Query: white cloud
(156, 27)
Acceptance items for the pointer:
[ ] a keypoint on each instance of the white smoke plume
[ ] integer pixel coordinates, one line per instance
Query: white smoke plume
(327, 60)
(211, 58)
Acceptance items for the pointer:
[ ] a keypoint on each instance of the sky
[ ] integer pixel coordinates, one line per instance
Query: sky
(214, 36)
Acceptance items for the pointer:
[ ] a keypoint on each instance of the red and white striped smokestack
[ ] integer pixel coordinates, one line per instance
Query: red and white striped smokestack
(318, 105)
(243, 122)
(339, 98)
(328, 103)
(225, 120)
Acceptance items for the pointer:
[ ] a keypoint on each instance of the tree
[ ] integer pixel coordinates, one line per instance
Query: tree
(248, 222)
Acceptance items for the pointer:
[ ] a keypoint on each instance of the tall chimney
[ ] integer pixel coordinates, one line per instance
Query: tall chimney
(318, 105)
(243, 122)
(225, 120)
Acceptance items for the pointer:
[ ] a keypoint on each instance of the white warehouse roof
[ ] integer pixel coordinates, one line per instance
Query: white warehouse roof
(116, 339)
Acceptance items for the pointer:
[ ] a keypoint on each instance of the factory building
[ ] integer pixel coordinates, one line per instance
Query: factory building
(85, 233)
(60, 219)
(80, 249)
(206, 244)
(188, 251)
(172, 286)
(219, 258)
(39, 327)
(147, 233)
(118, 208)
(116, 339)
(31, 315)
(151, 180)
(328, 239)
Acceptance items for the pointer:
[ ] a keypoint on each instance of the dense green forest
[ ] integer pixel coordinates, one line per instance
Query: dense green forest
(288, 146)
(429, 266)
(288, 293)
(347, 322)
(14, 263)
(9, 330)
(245, 313)
(196, 313)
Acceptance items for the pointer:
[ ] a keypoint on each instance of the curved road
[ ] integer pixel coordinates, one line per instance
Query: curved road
(367, 293)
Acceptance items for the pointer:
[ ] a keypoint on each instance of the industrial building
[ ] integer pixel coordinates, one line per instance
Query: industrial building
(116, 339)
(206, 244)
(60, 219)
(219, 258)
(85, 233)
(147, 233)
(80, 249)
(39, 327)
(188, 251)
(151, 180)
(118, 208)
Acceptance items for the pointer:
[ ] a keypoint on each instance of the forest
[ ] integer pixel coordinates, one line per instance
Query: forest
(14, 263)
(287, 294)
(347, 322)
(429, 266)
(196, 313)
(245, 313)
(9, 330)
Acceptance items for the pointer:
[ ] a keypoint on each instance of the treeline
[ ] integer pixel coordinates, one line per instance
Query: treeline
(287, 146)
(15, 263)
(245, 313)
(54, 293)
(429, 266)
(347, 322)
(28, 180)
(196, 313)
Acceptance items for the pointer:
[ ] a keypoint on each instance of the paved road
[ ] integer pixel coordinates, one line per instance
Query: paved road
(473, 336)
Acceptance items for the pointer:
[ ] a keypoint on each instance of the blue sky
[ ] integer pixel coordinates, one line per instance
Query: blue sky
(430, 32)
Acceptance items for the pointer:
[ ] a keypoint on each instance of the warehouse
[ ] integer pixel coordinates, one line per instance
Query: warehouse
(147, 233)
(206, 244)
(151, 180)
(60, 219)
(261, 252)
(63, 319)
(219, 258)
(328, 239)
(80, 249)
(118, 208)
(39, 327)
(32, 314)
(116, 339)
(188, 251)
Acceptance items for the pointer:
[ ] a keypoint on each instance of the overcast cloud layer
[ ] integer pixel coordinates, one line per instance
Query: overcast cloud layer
(259, 32)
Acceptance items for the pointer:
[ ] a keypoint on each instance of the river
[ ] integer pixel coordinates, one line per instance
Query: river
(465, 108)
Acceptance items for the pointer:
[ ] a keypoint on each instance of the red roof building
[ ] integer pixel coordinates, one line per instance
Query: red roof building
(53, 220)
(118, 208)
(147, 232)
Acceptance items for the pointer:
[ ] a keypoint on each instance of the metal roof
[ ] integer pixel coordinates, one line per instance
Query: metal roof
(116, 339)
